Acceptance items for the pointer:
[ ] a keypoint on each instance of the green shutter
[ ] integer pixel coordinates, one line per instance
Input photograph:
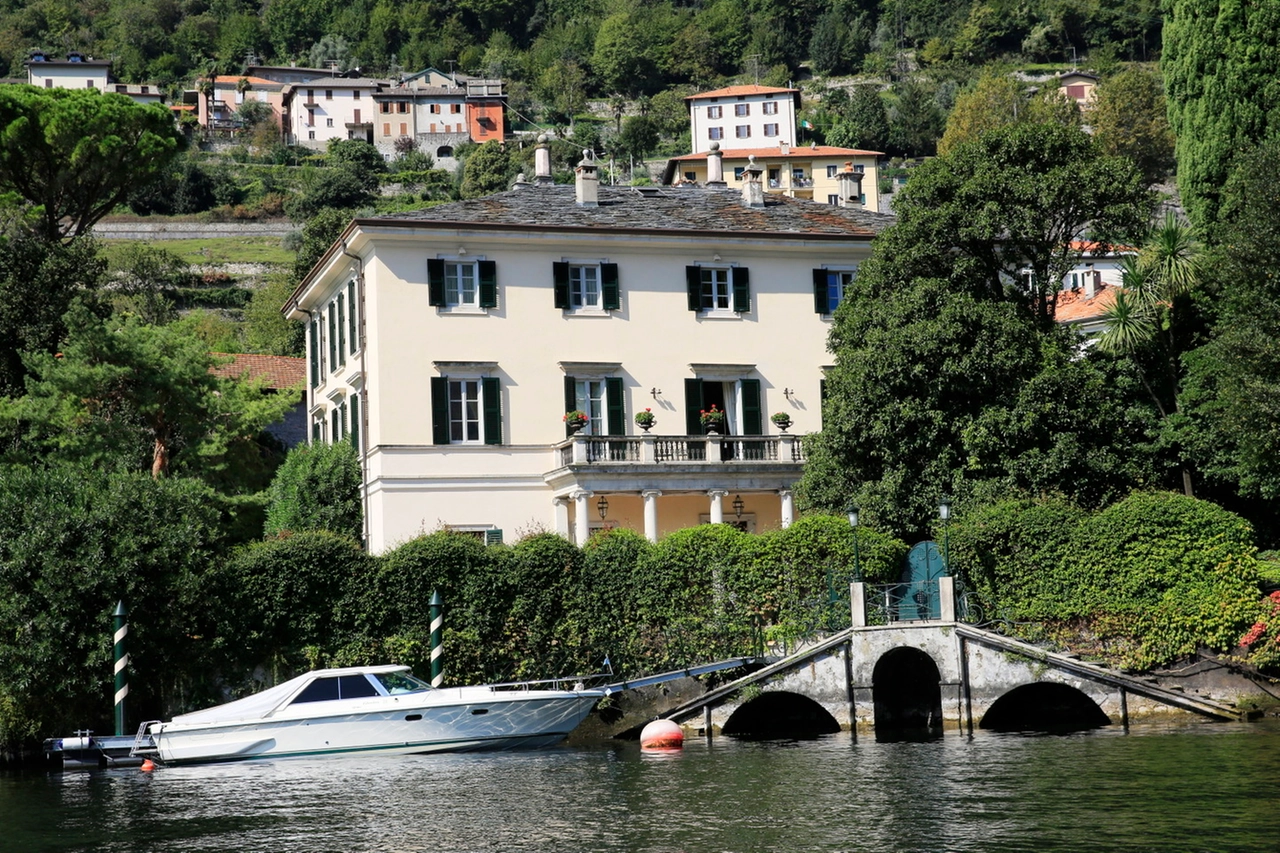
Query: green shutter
(560, 275)
(315, 353)
(693, 280)
(333, 340)
(488, 284)
(741, 290)
(352, 316)
(617, 413)
(435, 281)
(570, 399)
(752, 420)
(440, 410)
(493, 537)
(355, 422)
(342, 328)
(693, 407)
(491, 400)
(820, 291)
(609, 283)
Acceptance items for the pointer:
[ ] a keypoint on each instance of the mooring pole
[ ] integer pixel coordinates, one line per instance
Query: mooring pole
(437, 639)
(122, 661)
(1124, 709)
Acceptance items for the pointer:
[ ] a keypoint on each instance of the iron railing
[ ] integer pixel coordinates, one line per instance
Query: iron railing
(915, 601)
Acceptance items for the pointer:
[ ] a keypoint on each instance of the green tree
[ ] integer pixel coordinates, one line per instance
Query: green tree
(915, 122)
(937, 329)
(1152, 321)
(318, 234)
(38, 281)
(76, 154)
(1219, 62)
(639, 135)
(1129, 119)
(486, 170)
(268, 331)
(317, 488)
(863, 121)
(998, 100)
(125, 394)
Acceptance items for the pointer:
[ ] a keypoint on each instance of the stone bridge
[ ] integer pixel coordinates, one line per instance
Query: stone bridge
(917, 678)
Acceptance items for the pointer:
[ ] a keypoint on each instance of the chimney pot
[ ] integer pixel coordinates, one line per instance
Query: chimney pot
(752, 188)
(715, 166)
(849, 185)
(587, 183)
(542, 161)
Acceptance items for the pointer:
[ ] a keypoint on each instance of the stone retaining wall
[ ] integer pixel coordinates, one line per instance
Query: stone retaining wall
(167, 230)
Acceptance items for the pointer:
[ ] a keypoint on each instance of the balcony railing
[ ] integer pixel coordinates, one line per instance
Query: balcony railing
(678, 449)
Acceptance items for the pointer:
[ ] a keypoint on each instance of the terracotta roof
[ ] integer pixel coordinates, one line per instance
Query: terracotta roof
(645, 210)
(233, 79)
(1075, 307)
(1092, 247)
(801, 151)
(279, 371)
(733, 91)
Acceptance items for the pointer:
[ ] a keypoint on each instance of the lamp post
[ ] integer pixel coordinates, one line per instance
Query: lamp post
(738, 506)
(853, 522)
(944, 513)
(602, 506)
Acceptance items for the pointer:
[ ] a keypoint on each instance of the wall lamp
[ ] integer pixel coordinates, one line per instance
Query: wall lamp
(602, 506)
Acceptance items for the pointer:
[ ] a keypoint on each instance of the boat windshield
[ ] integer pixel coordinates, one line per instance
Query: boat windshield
(401, 682)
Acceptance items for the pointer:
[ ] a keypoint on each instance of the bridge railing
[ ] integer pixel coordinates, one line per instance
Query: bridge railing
(915, 601)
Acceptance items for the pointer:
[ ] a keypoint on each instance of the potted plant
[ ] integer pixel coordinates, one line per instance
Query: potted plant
(712, 419)
(781, 420)
(646, 419)
(575, 419)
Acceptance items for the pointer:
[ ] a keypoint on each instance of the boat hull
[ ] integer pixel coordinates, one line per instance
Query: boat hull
(489, 721)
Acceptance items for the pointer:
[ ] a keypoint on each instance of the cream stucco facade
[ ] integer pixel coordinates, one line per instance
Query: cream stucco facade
(456, 398)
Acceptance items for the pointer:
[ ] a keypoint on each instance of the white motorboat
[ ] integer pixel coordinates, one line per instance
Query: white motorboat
(370, 709)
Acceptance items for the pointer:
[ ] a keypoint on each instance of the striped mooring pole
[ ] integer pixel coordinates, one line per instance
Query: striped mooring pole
(122, 661)
(437, 639)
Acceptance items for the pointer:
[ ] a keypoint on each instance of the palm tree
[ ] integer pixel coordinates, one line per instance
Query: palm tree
(1147, 321)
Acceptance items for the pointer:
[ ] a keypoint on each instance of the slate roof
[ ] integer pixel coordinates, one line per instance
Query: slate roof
(641, 210)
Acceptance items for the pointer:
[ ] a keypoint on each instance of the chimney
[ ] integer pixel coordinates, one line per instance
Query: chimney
(587, 184)
(786, 148)
(715, 166)
(542, 162)
(849, 185)
(1092, 278)
(752, 188)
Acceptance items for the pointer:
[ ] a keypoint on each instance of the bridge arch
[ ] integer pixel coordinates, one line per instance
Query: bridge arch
(1044, 706)
(780, 714)
(906, 688)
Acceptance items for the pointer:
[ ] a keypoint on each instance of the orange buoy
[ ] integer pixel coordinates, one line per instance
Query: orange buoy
(661, 735)
(148, 765)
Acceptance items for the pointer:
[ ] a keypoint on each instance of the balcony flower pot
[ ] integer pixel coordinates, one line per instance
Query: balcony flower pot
(646, 419)
(781, 420)
(712, 419)
(575, 420)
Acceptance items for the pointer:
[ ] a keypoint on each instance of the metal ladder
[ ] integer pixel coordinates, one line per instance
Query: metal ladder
(143, 738)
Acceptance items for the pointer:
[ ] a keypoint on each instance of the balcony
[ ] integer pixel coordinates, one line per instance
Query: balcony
(679, 449)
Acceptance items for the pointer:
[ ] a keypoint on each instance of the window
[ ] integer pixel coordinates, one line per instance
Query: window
(311, 119)
(691, 176)
(404, 129)
(833, 199)
(353, 321)
(386, 128)
(311, 95)
(715, 133)
(586, 286)
(311, 134)
(328, 94)
(601, 397)
(742, 131)
(771, 108)
(453, 283)
(48, 83)
(770, 130)
(402, 106)
(741, 110)
(739, 399)
(328, 122)
(355, 95)
(715, 112)
(831, 170)
(466, 410)
(313, 352)
(718, 289)
(737, 172)
(435, 109)
(334, 358)
(829, 288)
(455, 108)
(384, 107)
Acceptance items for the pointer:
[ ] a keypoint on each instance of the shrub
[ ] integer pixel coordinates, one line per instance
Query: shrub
(317, 488)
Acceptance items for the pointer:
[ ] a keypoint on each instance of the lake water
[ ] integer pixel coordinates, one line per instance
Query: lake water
(1186, 787)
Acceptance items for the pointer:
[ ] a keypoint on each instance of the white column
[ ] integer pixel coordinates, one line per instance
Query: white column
(717, 511)
(581, 516)
(788, 507)
(562, 516)
(947, 598)
(651, 513)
